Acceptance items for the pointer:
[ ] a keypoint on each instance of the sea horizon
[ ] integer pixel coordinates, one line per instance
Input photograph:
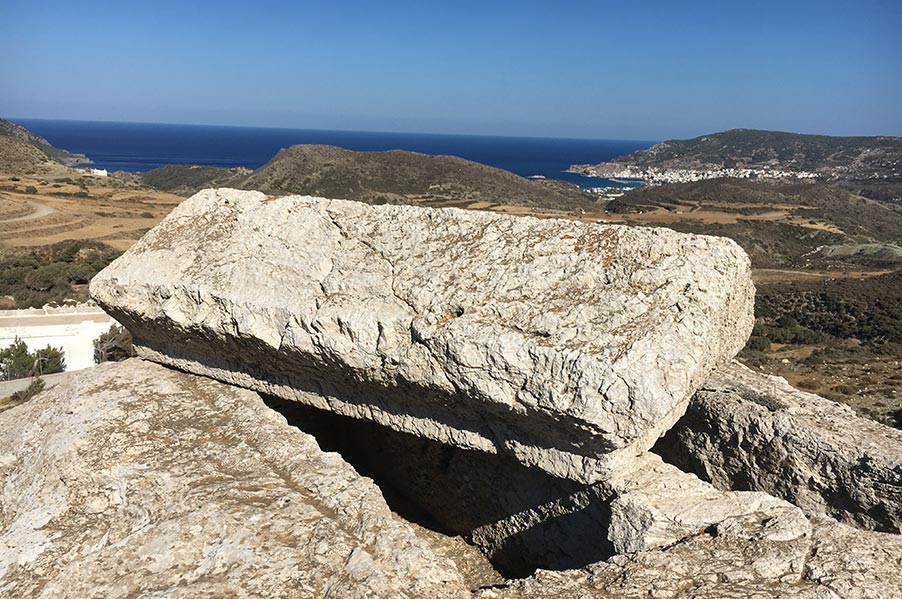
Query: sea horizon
(142, 146)
(20, 119)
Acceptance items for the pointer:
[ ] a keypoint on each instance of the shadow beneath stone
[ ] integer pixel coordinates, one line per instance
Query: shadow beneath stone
(521, 518)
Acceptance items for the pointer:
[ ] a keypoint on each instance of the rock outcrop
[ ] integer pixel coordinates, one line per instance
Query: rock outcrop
(523, 518)
(501, 379)
(750, 431)
(738, 559)
(132, 480)
(571, 347)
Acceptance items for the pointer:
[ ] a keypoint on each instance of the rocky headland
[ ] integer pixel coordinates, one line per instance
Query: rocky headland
(871, 166)
(437, 403)
(64, 157)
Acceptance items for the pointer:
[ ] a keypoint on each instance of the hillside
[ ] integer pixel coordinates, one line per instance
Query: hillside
(780, 224)
(188, 179)
(840, 338)
(398, 176)
(861, 156)
(11, 129)
(867, 165)
(20, 157)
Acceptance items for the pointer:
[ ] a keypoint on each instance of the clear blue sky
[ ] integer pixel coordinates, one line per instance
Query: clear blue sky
(631, 70)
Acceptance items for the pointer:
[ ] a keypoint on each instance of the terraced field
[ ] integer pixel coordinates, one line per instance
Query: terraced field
(37, 212)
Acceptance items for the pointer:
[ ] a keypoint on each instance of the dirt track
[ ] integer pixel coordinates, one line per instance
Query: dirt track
(88, 208)
(40, 210)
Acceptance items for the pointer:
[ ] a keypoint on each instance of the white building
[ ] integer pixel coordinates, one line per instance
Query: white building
(74, 328)
(98, 172)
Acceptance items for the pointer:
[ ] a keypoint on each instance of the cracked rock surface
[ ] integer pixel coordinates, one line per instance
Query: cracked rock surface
(747, 430)
(133, 480)
(570, 346)
(737, 559)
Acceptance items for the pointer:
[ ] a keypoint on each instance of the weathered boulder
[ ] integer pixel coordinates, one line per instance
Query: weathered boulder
(570, 346)
(132, 480)
(750, 431)
(737, 559)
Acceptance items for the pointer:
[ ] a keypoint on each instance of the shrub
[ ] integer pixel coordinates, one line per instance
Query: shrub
(31, 189)
(113, 346)
(44, 275)
(17, 362)
(36, 386)
(758, 343)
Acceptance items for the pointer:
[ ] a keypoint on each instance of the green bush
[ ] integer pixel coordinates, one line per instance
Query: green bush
(17, 362)
(758, 343)
(46, 274)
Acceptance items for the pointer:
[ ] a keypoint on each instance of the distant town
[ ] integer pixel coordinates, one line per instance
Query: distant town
(660, 176)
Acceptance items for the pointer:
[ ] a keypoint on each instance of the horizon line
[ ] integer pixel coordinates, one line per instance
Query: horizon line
(128, 122)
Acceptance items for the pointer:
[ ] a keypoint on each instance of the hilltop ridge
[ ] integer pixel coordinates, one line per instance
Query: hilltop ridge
(388, 177)
(751, 148)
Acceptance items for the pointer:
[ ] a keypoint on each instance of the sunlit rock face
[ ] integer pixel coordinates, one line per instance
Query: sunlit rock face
(747, 430)
(133, 480)
(492, 385)
(569, 346)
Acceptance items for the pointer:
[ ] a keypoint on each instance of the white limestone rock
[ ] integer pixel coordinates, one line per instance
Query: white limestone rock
(655, 504)
(570, 346)
(649, 506)
(747, 430)
(133, 480)
(737, 559)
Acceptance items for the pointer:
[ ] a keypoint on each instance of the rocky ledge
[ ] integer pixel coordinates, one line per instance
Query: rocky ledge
(133, 480)
(750, 431)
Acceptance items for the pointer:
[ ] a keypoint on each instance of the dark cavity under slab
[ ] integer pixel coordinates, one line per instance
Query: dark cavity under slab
(521, 518)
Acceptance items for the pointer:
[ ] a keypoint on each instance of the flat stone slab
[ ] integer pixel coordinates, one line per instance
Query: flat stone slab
(134, 480)
(570, 346)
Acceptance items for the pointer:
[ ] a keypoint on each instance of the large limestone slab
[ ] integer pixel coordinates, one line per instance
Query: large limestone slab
(132, 480)
(747, 430)
(568, 345)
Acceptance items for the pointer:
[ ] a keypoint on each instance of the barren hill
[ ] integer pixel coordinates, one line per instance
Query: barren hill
(188, 179)
(20, 157)
(853, 156)
(11, 129)
(392, 177)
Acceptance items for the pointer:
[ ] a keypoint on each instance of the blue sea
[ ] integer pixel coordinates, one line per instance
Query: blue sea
(144, 146)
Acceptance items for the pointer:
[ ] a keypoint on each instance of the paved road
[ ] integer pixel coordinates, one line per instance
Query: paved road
(39, 211)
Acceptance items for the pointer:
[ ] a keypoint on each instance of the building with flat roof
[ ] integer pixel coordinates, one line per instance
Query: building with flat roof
(73, 328)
